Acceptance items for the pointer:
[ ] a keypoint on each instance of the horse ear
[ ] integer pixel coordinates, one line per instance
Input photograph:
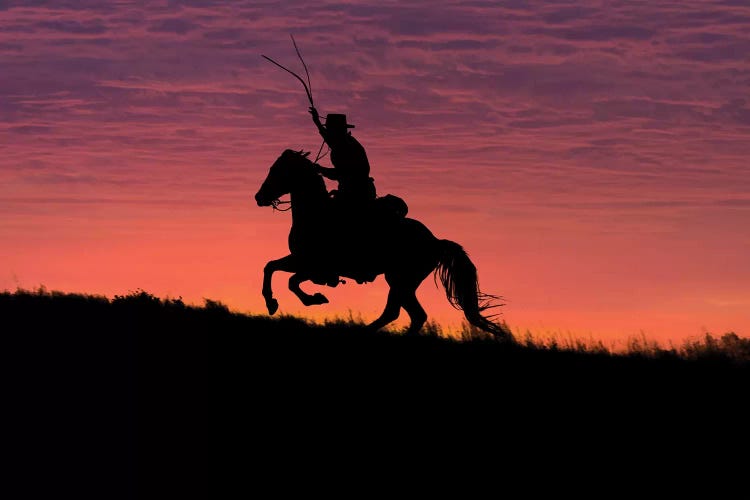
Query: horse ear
(305, 154)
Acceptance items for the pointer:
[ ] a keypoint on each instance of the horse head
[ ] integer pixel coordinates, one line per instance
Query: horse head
(291, 171)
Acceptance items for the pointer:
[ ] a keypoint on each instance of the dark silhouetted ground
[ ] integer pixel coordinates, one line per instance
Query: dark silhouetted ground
(139, 397)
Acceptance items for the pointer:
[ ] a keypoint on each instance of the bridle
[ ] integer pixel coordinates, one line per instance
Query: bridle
(275, 205)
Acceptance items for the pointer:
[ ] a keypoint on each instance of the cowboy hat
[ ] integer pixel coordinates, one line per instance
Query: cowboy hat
(337, 120)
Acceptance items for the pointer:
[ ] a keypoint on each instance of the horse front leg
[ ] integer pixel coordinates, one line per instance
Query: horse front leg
(309, 300)
(287, 264)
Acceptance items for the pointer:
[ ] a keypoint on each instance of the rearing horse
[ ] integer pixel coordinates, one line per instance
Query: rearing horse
(403, 249)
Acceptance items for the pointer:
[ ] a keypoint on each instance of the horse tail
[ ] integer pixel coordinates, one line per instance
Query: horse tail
(458, 275)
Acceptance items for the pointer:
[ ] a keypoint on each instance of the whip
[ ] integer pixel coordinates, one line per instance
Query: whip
(307, 85)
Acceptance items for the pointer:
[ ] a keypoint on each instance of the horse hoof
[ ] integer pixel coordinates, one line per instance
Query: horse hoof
(272, 305)
(319, 298)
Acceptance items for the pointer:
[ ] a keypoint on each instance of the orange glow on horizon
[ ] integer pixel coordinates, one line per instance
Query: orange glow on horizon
(592, 162)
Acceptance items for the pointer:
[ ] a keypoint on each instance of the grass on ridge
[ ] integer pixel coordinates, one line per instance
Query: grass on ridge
(729, 346)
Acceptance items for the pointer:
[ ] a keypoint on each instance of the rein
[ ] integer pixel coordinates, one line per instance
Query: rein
(275, 204)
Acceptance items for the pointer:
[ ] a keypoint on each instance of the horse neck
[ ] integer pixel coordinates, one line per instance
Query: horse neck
(308, 204)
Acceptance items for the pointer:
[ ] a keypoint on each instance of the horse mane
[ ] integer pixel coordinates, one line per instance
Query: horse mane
(301, 157)
(293, 152)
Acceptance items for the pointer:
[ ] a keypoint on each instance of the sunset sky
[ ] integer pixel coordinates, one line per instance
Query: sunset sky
(592, 157)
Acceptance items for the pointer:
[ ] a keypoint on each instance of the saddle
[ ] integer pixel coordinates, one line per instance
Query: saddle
(382, 208)
(391, 206)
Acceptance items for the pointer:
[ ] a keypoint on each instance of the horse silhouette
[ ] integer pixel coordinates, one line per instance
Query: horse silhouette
(328, 242)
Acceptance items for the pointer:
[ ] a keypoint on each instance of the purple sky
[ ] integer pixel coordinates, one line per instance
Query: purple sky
(591, 156)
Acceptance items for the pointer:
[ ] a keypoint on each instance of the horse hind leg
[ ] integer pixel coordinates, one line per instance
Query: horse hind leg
(399, 297)
(416, 312)
(390, 313)
(407, 282)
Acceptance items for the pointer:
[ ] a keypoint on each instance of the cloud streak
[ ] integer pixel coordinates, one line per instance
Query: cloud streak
(572, 113)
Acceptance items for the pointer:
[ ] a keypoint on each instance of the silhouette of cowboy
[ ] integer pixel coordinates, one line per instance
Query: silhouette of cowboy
(351, 169)
(356, 189)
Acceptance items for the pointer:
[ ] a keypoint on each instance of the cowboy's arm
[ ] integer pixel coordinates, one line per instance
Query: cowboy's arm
(316, 121)
(327, 172)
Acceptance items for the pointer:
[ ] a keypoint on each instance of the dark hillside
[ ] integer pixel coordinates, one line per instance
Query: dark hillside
(139, 393)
